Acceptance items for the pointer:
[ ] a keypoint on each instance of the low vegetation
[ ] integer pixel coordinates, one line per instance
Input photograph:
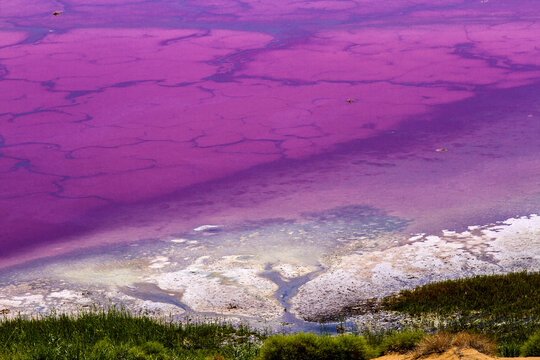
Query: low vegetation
(503, 307)
(513, 294)
(117, 334)
(443, 341)
(532, 346)
(501, 317)
(400, 342)
(313, 347)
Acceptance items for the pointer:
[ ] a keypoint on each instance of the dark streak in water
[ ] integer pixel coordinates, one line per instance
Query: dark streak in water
(288, 289)
(152, 292)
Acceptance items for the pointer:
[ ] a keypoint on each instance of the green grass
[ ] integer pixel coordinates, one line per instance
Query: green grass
(401, 342)
(514, 294)
(504, 307)
(316, 347)
(532, 346)
(117, 334)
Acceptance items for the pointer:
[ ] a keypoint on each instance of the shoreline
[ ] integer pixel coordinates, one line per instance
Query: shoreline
(259, 287)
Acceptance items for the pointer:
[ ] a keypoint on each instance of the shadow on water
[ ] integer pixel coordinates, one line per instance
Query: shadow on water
(152, 292)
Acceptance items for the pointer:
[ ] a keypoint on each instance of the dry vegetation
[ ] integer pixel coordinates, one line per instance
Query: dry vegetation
(442, 341)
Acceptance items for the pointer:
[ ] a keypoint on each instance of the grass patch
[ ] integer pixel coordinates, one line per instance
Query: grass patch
(532, 346)
(401, 342)
(117, 334)
(315, 347)
(513, 294)
(502, 307)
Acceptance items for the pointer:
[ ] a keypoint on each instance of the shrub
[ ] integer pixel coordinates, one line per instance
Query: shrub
(298, 346)
(344, 347)
(152, 350)
(531, 346)
(313, 347)
(434, 344)
(401, 342)
(478, 342)
(153, 347)
(508, 350)
(443, 341)
(135, 353)
(106, 350)
(102, 350)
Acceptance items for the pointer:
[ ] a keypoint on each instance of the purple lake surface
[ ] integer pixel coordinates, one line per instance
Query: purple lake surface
(123, 120)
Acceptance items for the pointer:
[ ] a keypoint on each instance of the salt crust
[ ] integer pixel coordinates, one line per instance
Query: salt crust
(235, 284)
(510, 245)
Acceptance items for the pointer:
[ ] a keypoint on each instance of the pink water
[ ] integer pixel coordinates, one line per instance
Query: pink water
(126, 120)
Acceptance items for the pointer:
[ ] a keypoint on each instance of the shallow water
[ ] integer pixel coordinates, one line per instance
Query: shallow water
(312, 124)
